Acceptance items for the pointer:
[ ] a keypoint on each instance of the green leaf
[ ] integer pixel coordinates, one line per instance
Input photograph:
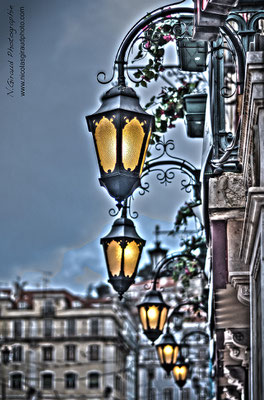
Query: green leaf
(143, 83)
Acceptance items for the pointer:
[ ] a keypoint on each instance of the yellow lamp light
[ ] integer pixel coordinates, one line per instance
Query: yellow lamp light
(153, 313)
(121, 130)
(180, 372)
(167, 349)
(122, 248)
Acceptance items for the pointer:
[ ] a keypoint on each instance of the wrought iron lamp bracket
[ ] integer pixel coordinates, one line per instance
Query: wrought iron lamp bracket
(165, 176)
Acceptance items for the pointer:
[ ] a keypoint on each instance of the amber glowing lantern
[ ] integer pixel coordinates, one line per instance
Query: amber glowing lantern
(121, 130)
(122, 248)
(167, 349)
(153, 313)
(180, 371)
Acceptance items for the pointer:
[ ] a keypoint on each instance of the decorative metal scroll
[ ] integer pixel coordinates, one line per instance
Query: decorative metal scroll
(165, 165)
(166, 175)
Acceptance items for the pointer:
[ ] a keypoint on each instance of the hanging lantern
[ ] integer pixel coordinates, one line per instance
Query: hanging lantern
(121, 130)
(122, 248)
(167, 349)
(153, 313)
(180, 371)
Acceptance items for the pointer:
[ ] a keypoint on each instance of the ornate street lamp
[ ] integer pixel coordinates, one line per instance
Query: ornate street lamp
(180, 371)
(121, 130)
(153, 313)
(122, 248)
(167, 349)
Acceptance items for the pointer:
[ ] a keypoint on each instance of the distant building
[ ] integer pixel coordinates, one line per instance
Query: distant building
(65, 347)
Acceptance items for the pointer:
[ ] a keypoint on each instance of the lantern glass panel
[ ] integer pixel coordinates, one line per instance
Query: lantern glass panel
(153, 316)
(145, 152)
(143, 317)
(105, 137)
(163, 318)
(175, 355)
(133, 135)
(131, 254)
(180, 372)
(114, 255)
(168, 354)
(160, 353)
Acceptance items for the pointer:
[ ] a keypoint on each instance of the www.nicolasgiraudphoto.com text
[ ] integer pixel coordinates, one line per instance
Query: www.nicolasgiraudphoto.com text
(16, 52)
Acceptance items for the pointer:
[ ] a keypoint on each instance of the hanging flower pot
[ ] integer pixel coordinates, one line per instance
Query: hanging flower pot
(192, 54)
(195, 105)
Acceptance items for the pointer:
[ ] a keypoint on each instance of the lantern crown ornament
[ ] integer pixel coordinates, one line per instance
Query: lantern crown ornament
(121, 131)
(153, 313)
(167, 349)
(122, 248)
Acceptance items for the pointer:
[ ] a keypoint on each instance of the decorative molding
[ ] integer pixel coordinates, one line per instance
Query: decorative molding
(240, 281)
(237, 341)
(255, 202)
(209, 17)
(226, 192)
(229, 312)
(252, 103)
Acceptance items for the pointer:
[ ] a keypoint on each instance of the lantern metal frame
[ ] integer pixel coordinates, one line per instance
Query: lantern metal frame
(123, 232)
(153, 299)
(181, 362)
(112, 126)
(167, 340)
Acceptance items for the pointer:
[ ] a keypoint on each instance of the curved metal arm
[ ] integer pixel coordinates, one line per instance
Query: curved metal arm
(198, 332)
(171, 9)
(167, 260)
(187, 303)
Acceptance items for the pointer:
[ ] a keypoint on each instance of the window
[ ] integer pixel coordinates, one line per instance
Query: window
(47, 353)
(22, 305)
(70, 352)
(94, 352)
(168, 394)
(152, 394)
(185, 394)
(33, 328)
(17, 329)
(16, 381)
(49, 308)
(47, 381)
(17, 353)
(93, 380)
(118, 383)
(71, 327)
(76, 304)
(70, 380)
(48, 325)
(94, 327)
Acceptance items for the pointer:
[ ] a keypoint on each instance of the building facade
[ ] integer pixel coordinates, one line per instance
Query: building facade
(64, 347)
(233, 193)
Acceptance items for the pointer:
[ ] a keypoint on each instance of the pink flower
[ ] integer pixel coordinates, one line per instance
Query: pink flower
(187, 272)
(147, 45)
(168, 38)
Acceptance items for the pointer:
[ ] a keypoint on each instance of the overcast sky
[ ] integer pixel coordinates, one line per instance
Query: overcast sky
(53, 211)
